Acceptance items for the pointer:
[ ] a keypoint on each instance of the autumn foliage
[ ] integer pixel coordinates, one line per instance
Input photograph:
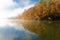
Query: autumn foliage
(43, 11)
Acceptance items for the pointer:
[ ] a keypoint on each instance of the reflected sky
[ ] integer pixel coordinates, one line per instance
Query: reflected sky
(14, 31)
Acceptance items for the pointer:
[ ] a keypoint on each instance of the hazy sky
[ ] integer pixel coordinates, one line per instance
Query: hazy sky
(11, 8)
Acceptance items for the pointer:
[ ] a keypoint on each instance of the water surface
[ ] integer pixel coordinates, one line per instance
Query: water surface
(30, 30)
(14, 30)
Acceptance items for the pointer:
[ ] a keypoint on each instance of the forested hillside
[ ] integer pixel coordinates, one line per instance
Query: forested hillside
(44, 10)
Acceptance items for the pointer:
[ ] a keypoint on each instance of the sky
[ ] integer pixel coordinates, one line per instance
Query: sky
(12, 8)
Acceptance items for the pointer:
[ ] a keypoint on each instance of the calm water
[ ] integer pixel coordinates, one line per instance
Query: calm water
(16, 31)
(30, 30)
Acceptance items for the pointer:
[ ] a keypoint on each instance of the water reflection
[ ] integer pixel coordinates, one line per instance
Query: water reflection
(30, 30)
(47, 30)
(15, 31)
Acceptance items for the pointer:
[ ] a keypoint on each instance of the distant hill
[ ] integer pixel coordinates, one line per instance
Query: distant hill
(43, 11)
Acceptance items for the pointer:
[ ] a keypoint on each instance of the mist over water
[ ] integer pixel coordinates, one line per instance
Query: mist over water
(14, 30)
(29, 30)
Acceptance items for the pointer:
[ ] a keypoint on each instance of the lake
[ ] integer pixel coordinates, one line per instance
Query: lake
(14, 30)
(30, 30)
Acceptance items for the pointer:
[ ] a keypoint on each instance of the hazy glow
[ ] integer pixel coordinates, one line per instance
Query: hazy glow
(6, 22)
(6, 13)
(3, 22)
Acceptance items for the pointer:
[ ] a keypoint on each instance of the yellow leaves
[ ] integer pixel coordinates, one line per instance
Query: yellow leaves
(42, 10)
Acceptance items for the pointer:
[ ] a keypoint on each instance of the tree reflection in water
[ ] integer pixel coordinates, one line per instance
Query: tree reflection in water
(47, 30)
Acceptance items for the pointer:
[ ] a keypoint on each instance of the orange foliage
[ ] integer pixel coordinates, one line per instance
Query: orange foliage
(40, 11)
